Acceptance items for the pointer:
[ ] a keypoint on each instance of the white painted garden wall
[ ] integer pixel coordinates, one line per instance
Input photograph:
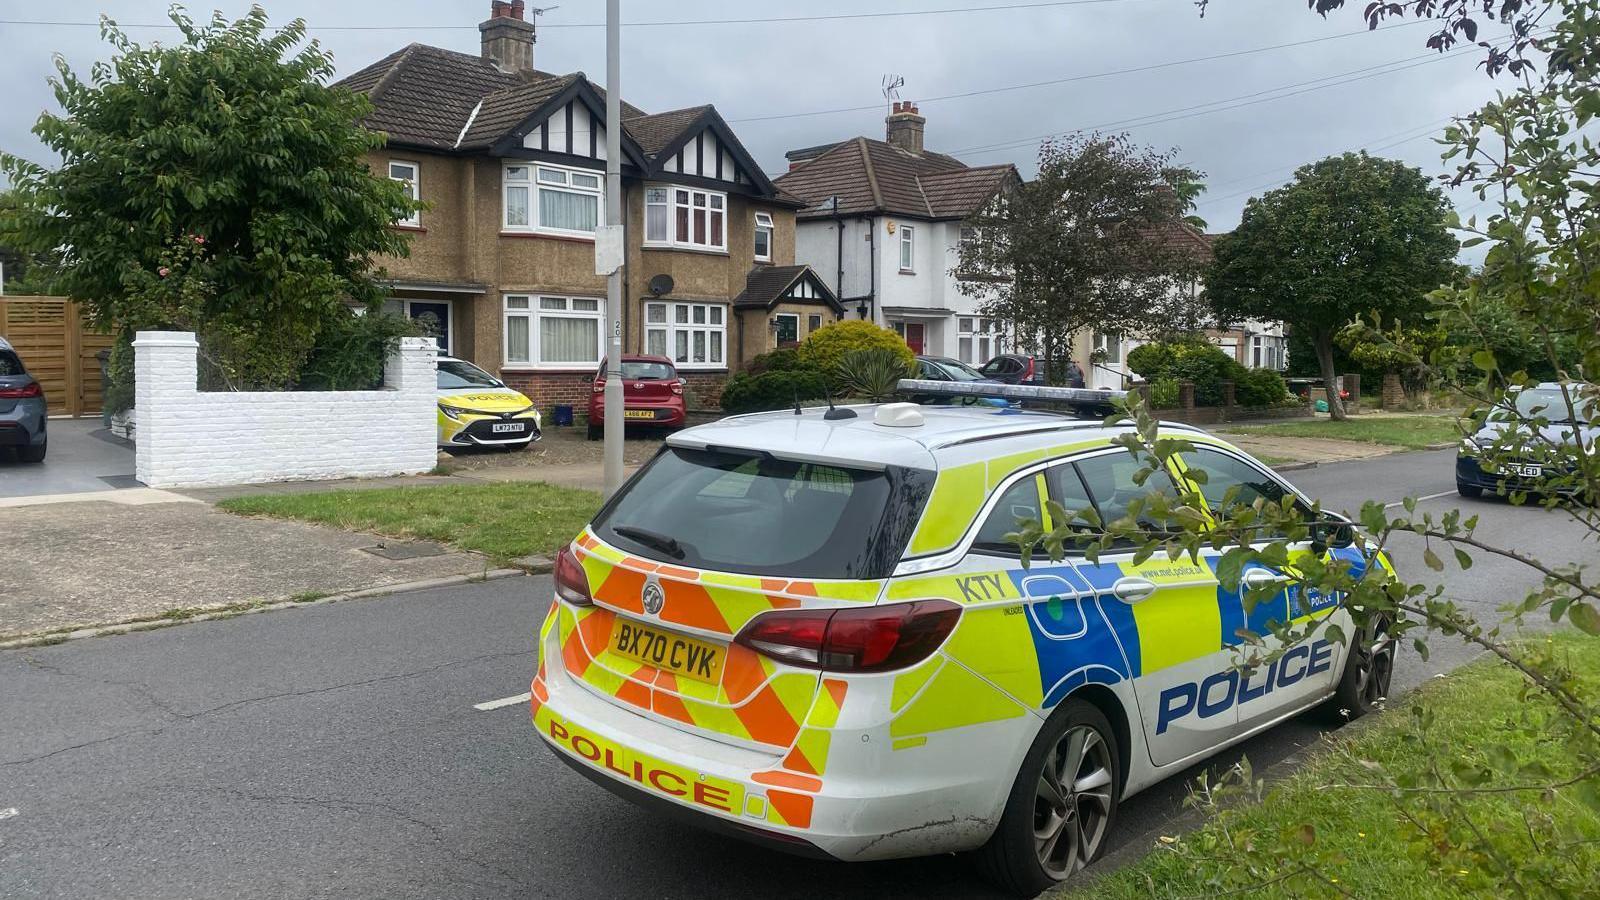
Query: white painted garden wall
(187, 438)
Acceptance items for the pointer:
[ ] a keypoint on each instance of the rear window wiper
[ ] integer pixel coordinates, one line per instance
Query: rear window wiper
(661, 542)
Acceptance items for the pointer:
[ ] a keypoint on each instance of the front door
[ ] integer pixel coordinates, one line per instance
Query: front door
(915, 337)
(1184, 683)
(435, 316)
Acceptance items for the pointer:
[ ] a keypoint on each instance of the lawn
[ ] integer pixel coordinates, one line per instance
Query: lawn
(1471, 711)
(503, 521)
(1411, 432)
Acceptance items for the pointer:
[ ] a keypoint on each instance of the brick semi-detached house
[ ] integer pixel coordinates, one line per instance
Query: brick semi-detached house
(511, 161)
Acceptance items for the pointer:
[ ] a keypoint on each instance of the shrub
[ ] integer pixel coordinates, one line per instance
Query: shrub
(773, 389)
(873, 373)
(1208, 367)
(1152, 360)
(1261, 387)
(350, 353)
(784, 360)
(826, 348)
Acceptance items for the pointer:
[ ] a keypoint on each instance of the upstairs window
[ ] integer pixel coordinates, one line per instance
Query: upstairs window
(684, 217)
(764, 236)
(552, 199)
(908, 248)
(407, 174)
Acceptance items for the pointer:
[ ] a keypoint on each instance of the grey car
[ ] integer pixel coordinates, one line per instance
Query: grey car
(22, 408)
(1523, 460)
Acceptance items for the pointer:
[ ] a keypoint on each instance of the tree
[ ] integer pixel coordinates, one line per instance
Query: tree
(1086, 245)
(230, 135)
(1352, 235)
(1187, 184)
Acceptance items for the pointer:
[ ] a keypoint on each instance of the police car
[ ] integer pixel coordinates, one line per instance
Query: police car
(807, 629)
(476, 409)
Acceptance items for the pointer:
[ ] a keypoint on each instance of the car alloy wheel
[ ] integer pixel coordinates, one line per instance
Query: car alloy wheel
(1374, 665)
(1072, 807)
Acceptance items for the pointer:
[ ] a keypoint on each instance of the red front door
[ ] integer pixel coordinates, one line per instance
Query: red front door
(914, 333)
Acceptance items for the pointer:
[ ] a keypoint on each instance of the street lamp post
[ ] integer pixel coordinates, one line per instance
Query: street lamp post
(614, 217)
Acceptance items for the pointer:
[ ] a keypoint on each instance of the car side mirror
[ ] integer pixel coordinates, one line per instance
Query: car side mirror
(1335, 534)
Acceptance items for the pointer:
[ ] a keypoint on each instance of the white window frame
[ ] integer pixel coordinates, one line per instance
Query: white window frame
(683, 197)
(533, 313)
(716, 333)
(764, 226)
(534, 184)
(979, 331)
(1106, 341)
(413, 187)
(908, 249)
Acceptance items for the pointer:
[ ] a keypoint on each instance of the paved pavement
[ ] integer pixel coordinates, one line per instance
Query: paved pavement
(83, 457)
(335, 752)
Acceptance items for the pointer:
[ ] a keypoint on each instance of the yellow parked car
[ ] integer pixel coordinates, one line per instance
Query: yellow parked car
(476, 409)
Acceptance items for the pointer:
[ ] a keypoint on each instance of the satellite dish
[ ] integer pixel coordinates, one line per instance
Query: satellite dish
(661, 285)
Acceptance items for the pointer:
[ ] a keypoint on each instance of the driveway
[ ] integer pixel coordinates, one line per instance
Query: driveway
(83, 457)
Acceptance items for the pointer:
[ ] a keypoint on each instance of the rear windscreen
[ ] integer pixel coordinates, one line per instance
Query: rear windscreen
(9, 364)
(736, 512)
(648, 371)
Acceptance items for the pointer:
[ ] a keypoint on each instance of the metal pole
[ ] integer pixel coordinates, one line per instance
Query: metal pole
(614, 216)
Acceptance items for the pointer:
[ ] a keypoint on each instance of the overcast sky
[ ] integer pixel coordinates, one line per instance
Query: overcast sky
(1288, 106)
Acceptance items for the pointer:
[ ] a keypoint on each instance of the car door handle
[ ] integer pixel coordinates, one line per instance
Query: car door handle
(1256, 579)
(1132, 590)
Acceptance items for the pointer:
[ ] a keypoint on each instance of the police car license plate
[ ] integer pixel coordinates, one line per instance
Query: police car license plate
(508, 428)
(638, 414)
(676, 653)
(1528, 470)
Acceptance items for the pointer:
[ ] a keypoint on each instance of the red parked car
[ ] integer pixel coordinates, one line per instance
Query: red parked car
(652, 395)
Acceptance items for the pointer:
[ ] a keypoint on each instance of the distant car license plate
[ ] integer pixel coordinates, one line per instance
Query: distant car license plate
(638, 414)
(1527, 470)
(508, 428)
(676, 653)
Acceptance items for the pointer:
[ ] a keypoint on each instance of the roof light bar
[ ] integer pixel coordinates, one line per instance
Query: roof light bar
(1077, 398)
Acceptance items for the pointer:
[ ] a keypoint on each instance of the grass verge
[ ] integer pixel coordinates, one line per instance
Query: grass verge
(502, 521)
(1410, 432)
(1474, 714)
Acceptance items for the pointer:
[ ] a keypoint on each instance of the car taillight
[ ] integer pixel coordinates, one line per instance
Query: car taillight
(572, 583)
(872, 639)
(677, 387)
(31, 389)
(1028, 374)
(600, 387)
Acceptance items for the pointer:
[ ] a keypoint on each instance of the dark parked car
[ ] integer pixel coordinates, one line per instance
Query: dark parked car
(1018, 368)
(22, 408)
(652, 394)
(943, 368)
(1525, 462)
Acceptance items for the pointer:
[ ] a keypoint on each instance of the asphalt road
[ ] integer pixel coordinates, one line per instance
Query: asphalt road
(334, 751)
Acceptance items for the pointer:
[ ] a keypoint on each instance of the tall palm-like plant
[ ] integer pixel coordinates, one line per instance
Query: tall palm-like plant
(872, 374)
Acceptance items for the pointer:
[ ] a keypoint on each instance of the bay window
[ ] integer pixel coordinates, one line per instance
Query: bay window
(552, 199)
(978, 339)
(693, 335)
(406, 173)
(553, 332)
(685, 217)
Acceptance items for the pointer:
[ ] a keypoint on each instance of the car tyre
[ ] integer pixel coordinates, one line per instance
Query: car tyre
(1061, 806)
(1368, 670)
(595, 432)
(32, 454)
(1470, 491)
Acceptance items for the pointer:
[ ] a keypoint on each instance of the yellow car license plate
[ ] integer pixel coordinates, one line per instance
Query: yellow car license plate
(638, 414)
(676, 653)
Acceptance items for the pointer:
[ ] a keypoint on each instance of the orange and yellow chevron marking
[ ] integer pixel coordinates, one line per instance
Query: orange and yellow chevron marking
(620, 588)
(785, 808)
(779, 778)
(691, 605)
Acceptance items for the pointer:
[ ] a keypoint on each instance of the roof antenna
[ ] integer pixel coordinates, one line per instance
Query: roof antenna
(834, 413)
(797, 401)
(891, 87)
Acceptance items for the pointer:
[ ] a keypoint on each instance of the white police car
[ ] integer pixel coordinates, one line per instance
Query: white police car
(807, 629)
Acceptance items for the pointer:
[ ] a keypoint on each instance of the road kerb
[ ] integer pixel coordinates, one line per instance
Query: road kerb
(39, 640)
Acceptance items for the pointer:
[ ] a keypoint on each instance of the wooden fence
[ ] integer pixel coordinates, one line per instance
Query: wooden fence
(58, 349)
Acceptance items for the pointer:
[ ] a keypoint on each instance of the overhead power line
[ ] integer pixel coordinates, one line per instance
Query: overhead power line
(1187, 112)
(665, 23)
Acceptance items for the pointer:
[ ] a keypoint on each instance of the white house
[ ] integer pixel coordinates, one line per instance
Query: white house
(882, 227)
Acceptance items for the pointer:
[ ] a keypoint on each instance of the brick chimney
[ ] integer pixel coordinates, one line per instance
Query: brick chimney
(508, 37)
(904, 127)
